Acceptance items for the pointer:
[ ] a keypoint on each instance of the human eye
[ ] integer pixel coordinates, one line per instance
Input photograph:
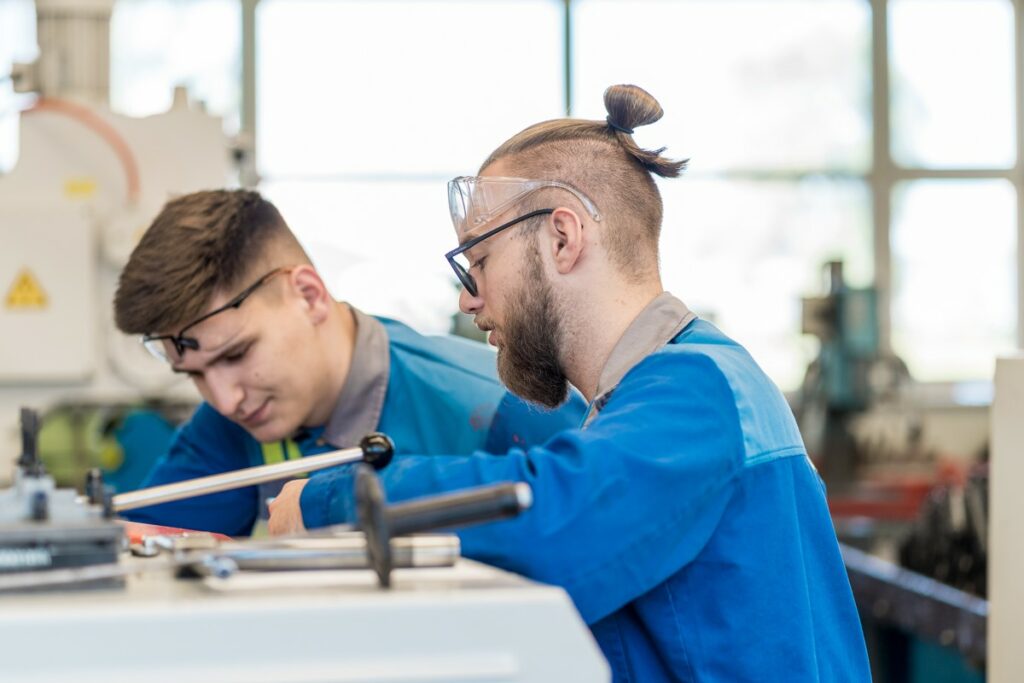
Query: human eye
(237, 355)
(478, 264)
(191, 374)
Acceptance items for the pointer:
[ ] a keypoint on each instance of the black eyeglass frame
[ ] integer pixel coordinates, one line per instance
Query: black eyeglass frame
(182, 343)
(464, 277)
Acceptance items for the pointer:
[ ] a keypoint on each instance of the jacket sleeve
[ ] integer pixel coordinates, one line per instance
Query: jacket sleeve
(520, 424)
(206, 444)
(618, 507)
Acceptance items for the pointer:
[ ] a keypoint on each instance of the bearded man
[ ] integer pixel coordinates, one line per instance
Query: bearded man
(683, 516)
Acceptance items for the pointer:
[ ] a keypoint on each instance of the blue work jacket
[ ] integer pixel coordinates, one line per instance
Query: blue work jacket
(442, 395)
(685, 521)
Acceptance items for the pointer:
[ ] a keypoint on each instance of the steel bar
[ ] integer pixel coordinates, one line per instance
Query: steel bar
(341, 552)
(233, 480)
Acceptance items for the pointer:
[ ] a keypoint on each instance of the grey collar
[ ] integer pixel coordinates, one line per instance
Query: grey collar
(357, 412)
(656, 325)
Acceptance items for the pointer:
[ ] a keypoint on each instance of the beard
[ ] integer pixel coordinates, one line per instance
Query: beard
(528, 360)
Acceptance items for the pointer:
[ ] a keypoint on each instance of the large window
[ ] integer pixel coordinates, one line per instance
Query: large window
(952, 83)
(954, 223)
(777, 125)
(157, 45)
(17, 44)
(954, 265)
(799, 154)
(365, 109)
(879, 132)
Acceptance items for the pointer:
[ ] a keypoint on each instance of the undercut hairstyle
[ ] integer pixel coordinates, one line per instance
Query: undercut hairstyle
(601, 159)
(200, 244)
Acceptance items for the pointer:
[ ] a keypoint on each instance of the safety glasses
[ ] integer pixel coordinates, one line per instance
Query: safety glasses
(155, 343)
(475, 201)
(458, 262)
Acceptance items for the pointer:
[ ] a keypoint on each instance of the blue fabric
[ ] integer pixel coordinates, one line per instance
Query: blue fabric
(443, 396)
(686, 523)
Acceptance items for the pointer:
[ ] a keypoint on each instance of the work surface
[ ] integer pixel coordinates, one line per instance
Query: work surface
(464, 623)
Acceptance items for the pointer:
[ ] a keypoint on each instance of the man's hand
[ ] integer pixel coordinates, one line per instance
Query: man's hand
(285, 513)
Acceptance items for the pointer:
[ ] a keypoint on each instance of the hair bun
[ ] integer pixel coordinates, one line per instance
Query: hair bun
(630, 106)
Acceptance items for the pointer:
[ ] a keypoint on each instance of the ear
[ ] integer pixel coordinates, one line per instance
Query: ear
(312, 292)
(565, 230)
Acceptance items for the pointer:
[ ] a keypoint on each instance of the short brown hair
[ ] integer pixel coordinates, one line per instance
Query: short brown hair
(601, 159)
(199, 245)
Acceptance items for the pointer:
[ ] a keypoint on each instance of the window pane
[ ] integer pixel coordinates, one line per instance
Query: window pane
(744, 83)
(952, 83)
(158, 44)
(17, 44)
(744, 253)
(954, 276)
(378, 245)
(402, 86)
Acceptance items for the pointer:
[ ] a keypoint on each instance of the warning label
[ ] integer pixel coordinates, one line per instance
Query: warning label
(26, 293)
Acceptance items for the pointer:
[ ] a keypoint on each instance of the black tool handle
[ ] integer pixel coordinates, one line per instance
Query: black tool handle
(373, 520)
(378, 449)
(29, 461)
(459, 508)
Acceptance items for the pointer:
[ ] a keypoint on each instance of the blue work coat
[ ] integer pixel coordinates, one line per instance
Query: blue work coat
(685, 521)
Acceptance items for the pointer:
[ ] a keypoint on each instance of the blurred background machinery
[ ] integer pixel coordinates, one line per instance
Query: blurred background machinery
(914, 522)
(86, 184)
(851, 375)
(122, 440)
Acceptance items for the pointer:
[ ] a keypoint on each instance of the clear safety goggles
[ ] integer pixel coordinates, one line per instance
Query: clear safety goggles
(476, 201)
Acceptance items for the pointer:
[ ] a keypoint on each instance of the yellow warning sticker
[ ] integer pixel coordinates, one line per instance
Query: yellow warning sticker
(26, 293)
(79, 188)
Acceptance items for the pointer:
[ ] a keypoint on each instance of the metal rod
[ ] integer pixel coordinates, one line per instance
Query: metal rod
(234, 480)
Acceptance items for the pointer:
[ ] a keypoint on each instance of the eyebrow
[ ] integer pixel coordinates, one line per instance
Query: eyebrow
(475, 250)
(233, 348)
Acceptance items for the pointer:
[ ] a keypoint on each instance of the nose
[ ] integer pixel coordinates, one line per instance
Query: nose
(469, 303)
(223, 393)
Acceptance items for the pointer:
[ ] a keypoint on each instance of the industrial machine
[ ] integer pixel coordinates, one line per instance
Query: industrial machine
(467, 623)
(850, 375)
(913, 528)
(86, 184)
(382, 600)
(44, 528)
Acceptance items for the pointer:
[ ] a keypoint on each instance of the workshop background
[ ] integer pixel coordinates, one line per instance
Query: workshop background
(851, 214)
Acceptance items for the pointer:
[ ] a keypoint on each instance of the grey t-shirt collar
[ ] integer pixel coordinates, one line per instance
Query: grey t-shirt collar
(656, 325)
(359, 406)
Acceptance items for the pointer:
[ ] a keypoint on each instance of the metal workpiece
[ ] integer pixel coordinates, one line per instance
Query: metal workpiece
(375, 450)
(223, 560)
(183, 557)
(347, 551)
